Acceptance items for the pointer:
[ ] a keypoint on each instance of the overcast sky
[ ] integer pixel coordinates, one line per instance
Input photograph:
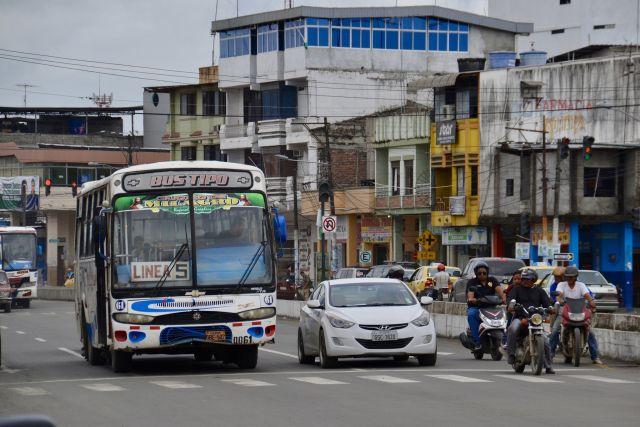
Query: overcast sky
(169, 34)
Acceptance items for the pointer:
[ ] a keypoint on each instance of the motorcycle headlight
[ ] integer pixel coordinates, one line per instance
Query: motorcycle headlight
(422, 320)
(576, 317)
(132, 318)
(258, 313)
(536, 319)
(337, 322)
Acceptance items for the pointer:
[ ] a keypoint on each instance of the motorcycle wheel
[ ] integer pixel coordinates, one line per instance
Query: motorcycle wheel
(478, 355)
(568, 359)
(537, 361)
(519, 367)
(577, 346)
(496, 354)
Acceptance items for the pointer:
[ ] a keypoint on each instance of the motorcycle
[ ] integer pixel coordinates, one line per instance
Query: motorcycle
(530, 344)
(492, 329)
(576, 320)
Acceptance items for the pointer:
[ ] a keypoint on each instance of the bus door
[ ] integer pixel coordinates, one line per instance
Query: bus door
(99, 230)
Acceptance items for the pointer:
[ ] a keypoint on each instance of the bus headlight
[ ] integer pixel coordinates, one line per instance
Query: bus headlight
(132, 318)
(258, 313)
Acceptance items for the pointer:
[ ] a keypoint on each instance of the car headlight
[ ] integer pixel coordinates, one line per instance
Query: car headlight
(5, 294)
(536, 319)
(337, 322)
(422, 320)
(132, 318)
(258, 313)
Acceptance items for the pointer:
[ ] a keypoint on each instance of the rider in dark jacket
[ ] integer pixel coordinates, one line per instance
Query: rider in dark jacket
(480, 286)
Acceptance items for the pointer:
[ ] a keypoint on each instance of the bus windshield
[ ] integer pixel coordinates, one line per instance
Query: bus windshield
(18, 251)
(153, 247)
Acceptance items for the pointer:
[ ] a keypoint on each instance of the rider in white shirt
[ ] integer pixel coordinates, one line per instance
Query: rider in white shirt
(573, 289)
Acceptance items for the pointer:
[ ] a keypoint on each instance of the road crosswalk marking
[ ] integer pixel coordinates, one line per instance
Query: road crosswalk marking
(175, 384)
(602, 379)
(529, 379)
(459, 378)
(20, 332)
(30, 391)
(444, 353)
(246, 382)
(3, 327)
(103, 387)
(388, 379)
(317, 380)
(40, 339)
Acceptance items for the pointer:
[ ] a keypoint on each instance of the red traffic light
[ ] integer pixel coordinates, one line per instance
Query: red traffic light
(47, 186)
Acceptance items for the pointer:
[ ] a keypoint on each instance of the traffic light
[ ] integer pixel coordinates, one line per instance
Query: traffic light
(525, 221)
(587, 142)
(564, 148)
(74, 188)
(324, 191)
(47, 186)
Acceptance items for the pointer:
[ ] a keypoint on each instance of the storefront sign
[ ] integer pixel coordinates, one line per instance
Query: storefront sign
(464, 236)
(563, 233)
(14, 189)
(523, 250)
(376, 229)
(342, 229)
(446, 132)
(187, 179)
(457, 205)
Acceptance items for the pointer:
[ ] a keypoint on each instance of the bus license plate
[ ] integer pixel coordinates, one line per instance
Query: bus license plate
(384, 335)
(215, 336)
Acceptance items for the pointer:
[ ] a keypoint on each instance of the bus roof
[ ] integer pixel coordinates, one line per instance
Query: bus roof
(17, 230)
(171, 165)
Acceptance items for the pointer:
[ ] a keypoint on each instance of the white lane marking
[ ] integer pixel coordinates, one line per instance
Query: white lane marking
(9, 370)
(529, 379)
(175, 384)
(3, 327)
(602, 379)
(248, 382)
(388, 379)
(459, 378)
(278, 353)
(69, 312)
(30, 391)
(102, 387)
(317, 380)
(48, 313)
(40, 339)
(71, 352)
(20, 332)
(444, 353)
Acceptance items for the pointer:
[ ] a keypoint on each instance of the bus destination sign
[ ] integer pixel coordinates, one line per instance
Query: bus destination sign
(187, 179)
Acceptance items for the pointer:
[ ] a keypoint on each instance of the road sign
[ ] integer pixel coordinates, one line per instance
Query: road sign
(329, 223)
(365, 257)
(427, 240)
(568, 256)
(426, 255)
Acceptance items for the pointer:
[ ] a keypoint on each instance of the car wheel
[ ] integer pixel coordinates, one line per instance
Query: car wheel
(400, 358)
(303, 359)
(121, 361)
(326, 362)
(428, 359)
(247, 357)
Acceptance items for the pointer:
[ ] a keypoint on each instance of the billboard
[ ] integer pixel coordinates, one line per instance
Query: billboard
(14, 189)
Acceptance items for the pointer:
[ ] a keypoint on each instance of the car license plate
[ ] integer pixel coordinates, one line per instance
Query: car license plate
(215, 336)
(384, 335)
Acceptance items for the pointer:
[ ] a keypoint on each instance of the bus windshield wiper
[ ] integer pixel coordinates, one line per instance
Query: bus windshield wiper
(252, 263)
(172, 264)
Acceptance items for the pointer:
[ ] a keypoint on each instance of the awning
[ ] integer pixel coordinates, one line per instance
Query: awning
(531, 83)
(437, 80)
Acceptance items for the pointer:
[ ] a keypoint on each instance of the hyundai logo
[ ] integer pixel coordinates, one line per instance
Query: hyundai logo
(197, 316)
(383, 327)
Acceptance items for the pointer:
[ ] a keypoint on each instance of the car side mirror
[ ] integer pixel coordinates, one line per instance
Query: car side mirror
(512, 304)
(426, 300)
(315, 304)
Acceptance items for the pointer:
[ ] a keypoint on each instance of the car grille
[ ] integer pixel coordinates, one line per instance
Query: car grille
(186, 318)
(393, 327)
(383, 345)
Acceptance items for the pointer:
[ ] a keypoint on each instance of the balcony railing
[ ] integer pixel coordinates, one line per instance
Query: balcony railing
(420, 199)
(453, 205)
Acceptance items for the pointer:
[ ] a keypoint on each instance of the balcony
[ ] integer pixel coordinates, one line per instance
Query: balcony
(272, 133)
(238, 137)
(420, 201)
(297, 131)
(455, 211)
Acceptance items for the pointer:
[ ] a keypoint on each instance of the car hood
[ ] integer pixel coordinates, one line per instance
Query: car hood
(602, 289)
(378, 315)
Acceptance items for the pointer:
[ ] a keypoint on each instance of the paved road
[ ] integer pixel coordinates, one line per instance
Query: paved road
(44, 373)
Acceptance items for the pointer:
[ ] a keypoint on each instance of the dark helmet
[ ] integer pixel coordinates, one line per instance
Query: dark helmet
(571, 271)
(481, 264)
(396, 272)
(529, 274)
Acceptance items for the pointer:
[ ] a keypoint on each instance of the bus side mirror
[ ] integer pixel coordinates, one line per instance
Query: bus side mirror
(280, 228)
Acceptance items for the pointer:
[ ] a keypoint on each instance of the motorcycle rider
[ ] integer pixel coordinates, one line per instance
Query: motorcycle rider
(396, 272)
(480, 286)
(527, 295)
(571, 288)
(441, 279)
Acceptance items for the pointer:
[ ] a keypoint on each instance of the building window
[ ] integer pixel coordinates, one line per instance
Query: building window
(408, 177)
(235, 43)
(317, 32)
(414, 33)
(351, 32)
(604, 27)
(58, 175)
(565, 2)
(212, 152)
(386, 33)
(188, 153)
(599, 182)
(474, 180)
(395, 178)
(445, 35)
(267, 38)
(558, 31)
(509, 187)
(460, 181)
(188, 104)
(214, 103)
(293, 34)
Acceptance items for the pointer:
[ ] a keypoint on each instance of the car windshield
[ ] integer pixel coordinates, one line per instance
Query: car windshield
(153, 246)
(370, 295)
(503, 267)
(18, 251)
(592, 278)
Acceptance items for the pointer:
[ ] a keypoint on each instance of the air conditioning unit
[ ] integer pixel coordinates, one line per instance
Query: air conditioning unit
(296, 154)
(448, 112)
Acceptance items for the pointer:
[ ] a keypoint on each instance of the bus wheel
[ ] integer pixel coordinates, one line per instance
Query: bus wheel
(91, 353)
(26, 303)
(121, 361)
(247, 356)
(203, 356)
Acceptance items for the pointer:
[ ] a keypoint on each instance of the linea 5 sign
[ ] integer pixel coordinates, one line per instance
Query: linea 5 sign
(446, 132)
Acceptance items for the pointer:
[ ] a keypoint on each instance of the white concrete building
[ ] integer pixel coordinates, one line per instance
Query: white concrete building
(574, 27)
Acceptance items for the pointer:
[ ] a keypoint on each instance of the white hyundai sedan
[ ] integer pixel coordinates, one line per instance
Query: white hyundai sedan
(365, 318)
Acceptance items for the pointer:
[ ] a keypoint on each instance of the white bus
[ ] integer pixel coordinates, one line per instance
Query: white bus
(18, 250)
(176, 258)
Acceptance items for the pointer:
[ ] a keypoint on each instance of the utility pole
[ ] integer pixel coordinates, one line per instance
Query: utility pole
(25, 86)
(296, 232)
(332, 203)
(544, 178)
(556, 198)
